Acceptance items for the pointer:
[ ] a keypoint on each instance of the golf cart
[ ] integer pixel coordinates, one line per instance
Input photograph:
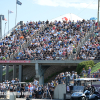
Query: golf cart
(83, 91)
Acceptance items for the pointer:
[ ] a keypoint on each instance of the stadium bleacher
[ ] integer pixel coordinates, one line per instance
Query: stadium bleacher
(10, 45)
(56, 42)
(91, 49)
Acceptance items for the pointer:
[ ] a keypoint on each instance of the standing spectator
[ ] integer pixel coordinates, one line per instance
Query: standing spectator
(39, 91)
(11, 88)
(72, 75)
(89, 72)
(75, 77)
(35, 82)
(59, 79)
(13, 81)
(84, 73)
(66, 80)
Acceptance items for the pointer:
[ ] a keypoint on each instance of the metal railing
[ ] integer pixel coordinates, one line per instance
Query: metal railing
(82, 41)
(11, 30)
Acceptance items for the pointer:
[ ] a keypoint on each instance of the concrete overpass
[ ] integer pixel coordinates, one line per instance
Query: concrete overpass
(40, 66)
(43, 62)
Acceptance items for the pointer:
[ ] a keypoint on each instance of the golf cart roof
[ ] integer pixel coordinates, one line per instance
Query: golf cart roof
(89, 79)
(20, 83)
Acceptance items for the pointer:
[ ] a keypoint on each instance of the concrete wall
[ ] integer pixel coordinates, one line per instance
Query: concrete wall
(28, 72)
(54, 69)
(59, 91)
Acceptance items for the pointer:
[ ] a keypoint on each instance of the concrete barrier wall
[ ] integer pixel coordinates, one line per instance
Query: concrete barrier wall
(4, 99)
(59, 91)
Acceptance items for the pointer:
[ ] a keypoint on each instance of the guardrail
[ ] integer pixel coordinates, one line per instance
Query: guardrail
(82, 41)
(9, 32)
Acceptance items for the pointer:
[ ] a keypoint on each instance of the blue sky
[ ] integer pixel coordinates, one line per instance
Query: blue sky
(35, 10)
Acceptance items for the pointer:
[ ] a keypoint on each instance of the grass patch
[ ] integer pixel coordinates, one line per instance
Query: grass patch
(95, 68)
(4, 73)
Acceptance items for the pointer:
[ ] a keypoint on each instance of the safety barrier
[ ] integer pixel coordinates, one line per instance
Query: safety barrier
(82, 41)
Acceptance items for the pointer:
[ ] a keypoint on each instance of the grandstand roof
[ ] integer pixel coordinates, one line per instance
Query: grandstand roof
(68, 16)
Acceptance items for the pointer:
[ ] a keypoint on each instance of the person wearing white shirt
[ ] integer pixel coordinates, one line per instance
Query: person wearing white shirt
(12, 81)
(31, 88)
(72, 76)
(35, 82)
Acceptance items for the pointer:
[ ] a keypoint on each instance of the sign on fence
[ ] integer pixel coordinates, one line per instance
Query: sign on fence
(14, 61)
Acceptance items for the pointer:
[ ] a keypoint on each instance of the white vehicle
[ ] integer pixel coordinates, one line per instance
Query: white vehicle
(85, 92)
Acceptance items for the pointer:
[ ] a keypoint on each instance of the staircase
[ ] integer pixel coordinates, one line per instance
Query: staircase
(82, 41)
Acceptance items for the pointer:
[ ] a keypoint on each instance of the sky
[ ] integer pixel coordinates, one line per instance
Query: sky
(35, 10)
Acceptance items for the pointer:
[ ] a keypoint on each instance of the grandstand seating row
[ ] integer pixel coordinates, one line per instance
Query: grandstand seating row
(57, 41)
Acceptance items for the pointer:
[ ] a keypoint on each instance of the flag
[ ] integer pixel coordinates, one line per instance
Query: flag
(18, 2)
(5, 19)
(11, 11)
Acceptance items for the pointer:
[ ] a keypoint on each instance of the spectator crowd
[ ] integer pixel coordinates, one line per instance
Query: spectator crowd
(91, 49)
(35, 89)
(19, 36)
(56, 42)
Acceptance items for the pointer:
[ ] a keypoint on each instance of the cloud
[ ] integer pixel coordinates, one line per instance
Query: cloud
(90, 4)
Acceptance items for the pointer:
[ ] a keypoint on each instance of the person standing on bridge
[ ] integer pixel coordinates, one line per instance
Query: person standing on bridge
(84, 73)
(89, 72)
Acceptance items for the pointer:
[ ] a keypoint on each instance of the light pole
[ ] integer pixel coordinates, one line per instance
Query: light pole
(1, 18)
(5, 29)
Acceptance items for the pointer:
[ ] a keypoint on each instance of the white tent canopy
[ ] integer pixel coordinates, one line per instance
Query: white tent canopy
(69, 16)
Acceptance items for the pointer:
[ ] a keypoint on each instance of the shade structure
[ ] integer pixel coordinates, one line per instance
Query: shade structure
(93, 18)
(68, 17)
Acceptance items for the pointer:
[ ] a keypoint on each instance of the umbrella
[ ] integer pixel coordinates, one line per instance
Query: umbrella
(65, 18)
(21, 37)
(93, 18)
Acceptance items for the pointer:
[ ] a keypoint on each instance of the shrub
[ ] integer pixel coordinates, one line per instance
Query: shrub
(84, 64)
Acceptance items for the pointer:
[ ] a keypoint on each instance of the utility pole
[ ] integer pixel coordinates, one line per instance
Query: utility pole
(98, 12)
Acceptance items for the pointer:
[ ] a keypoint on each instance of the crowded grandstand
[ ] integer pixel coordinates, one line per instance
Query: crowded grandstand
(49, 40)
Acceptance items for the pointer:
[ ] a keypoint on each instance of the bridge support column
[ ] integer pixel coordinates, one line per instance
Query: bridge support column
(14, 71)
(7, 72)
(41, 79)
(39, 73)
(0, 73)
(20, 73)
(40, 70)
